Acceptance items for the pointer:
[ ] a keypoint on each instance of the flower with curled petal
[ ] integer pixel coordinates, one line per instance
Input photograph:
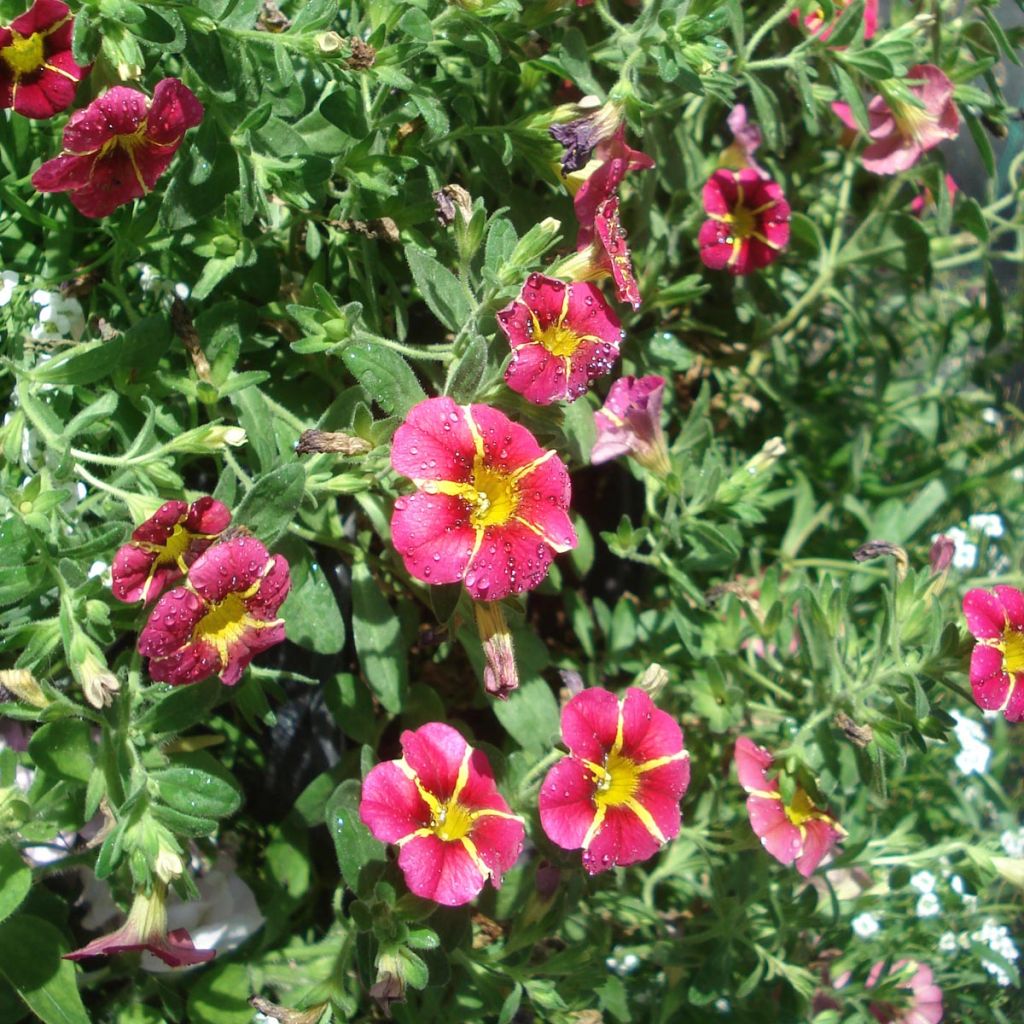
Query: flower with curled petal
(748, 221)
(164, 546)
(438, 803)
(221, 618)
(617, 794)
(563, 337)
(117, 148)
(920, 999)
(796, 831)
(815, 24)
(38, 75)
(492, 506)
(629, 423)
(996, 620)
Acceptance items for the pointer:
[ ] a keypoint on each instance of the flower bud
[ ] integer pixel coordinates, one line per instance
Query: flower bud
(338, 442)
(653, 680)
(99, 684)
(329, 42)
(210, 438)
(882, 549)
(500, 675)
(1010, 868)
(168, 865)
(22, 684)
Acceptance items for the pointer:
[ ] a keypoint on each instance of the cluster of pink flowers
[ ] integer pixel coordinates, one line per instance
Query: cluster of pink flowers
(224, 615)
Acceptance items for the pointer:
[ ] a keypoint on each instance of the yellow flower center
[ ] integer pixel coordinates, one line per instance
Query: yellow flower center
(617, 782)
(452, 821)
(801, 809)
(493, 495)
(1013, 650)
(174, 548)
(24, 54)
(128, 142)
(742, 221)
(911, 120)
(224, 623)
(558, 339)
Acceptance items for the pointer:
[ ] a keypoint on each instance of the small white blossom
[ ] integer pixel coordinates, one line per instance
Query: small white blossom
(990, 415)
(947, 943)
(956, 883)
(59, 317)
(974, 750)
(989, 523)
(8, 282)
(1013, 842)
(630, 962)
(98, 568)
(182, 291)
(928, 905)
(865, 925)
(923, 881)
(722, 1005)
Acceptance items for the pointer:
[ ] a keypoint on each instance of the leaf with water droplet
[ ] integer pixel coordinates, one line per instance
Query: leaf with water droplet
(353, 844)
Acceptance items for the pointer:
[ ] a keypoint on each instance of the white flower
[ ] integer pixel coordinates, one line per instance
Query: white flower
(865, 925)
(974, 750)
(923, 881)
(182, 291)
(97, 568)
(59, 317)
(1013, 842)
(630, 962)
(956, 883)
(8, 282)
(990, 416)
(928, 905)
(947, 943)
(989, 523)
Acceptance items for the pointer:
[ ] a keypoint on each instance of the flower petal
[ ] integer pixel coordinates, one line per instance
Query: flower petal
(434, 752)
(434, 442)
(647, 731)
(566, 802)
(985, 614)
(985, 663)
(752, 762)
(232, 566)
(622, 839)
(589, 724)
(433, 535)
(390, 805)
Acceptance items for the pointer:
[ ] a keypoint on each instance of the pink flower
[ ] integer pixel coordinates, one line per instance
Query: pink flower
(749, 221)
(797, 831)
(164, 546)
(617, 794)
(996, 620)
(746, 140)
(629, 423)
(922, 1005)
(563, 337)
(38, 76)
(438, 803)
(902, 130)
(925, 200)
(146, 929)
(940, 555)
(815, 24)
(117, 148)
(221, 619)
(616, 158)
(492, 506)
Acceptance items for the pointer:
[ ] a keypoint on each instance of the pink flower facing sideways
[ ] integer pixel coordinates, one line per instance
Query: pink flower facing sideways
(491, 507)
(629, 423)
(617, 794)
(901, 130)
(748, 223)
(438, 803)
(815, 24)
(996, 620)
(797, 831)
(38, 76)
(117, 148)
(164, 546)
(563, 337)
(922, 1002)
(221, 618)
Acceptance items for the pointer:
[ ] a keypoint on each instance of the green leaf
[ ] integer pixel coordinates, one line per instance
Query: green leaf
(441, 289)
(385, 376)
(272, 503)
(220, 995)
(353, 843)
(311, 614)
(378, 637)
(30, 959)
(530, 715)
(181, 708)
(767, 107)
(851, 94)
(465, 375)
(64, 749)
(15, 880)
(199, 785)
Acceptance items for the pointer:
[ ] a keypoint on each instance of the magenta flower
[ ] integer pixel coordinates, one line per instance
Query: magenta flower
(925, 201)
(563, 337)
(221, 619)
(748, 223)
(814, 22)
(117, 148)
(629, 423)
(923, 1003)
(796, 831)
(146, 928)
(746, 140)
(492, 506)
(616, 159)
(164, 546)
(617, 794)
(38, 76)
(901, 131)
(996, 620)
(438, 803)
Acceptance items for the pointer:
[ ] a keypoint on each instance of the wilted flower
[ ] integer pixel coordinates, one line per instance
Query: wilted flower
(563, 337)
(38, 76)
(117, 148)
(748, 221)
(791, 832)
(617, 794)
(996, 619)
(491, 507)
(99, 684)
(146, 929)
(614, 158)
(500, 674)
(581, 136)
(164, 546)
(922, 1005)
(940, 555)
(221, 619)
(902, 129)
(629, 423)
(814, 22)
(440, 805)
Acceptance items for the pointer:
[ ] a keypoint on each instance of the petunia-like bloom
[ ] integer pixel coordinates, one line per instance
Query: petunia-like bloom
(221, 619)
(117, 148)
(748, 223)
(996, 619)
(563, 337)
(492, 506)
(164, 546)
(796, 831)
(438, 803)
(921, 1005)
(629, 423)
(146, 929)
(814, 22)
(38, 76)
(902, 130)
(617, 794)
(614, 158)
(746, 140)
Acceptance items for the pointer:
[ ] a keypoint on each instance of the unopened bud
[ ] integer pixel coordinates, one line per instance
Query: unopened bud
(1010, 868)
(211, 438)
(329, 42)
(653, 680)
(941, 554)
(168, 865)
(99, 684)
(771, 451)
(884, 549)
(22, 684)
(500, 675)
(338, 442)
